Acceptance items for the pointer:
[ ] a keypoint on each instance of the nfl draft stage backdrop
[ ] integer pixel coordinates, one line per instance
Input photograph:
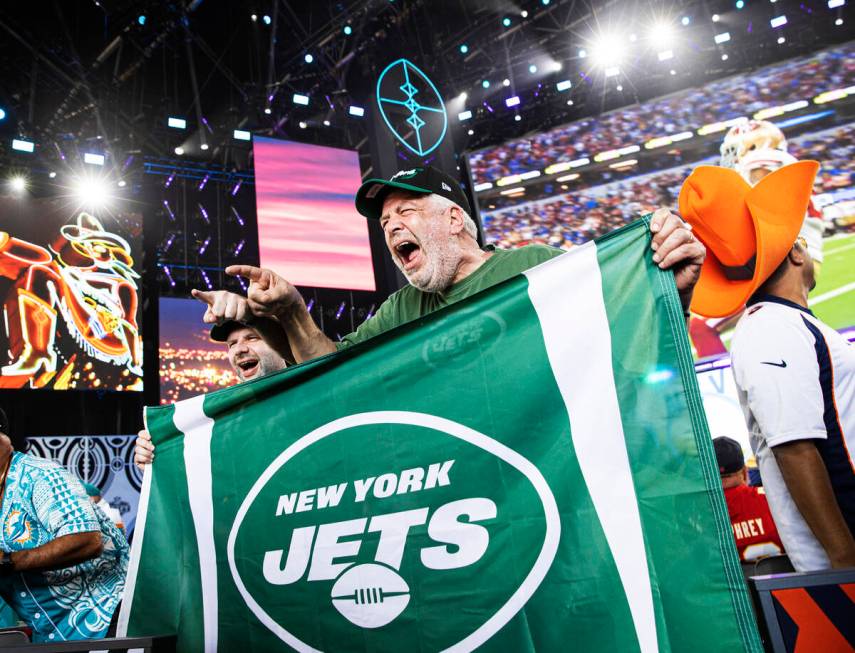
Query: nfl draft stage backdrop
(527, 470)
(106, 461)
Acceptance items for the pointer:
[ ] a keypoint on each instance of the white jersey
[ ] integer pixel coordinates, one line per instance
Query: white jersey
(795, 377)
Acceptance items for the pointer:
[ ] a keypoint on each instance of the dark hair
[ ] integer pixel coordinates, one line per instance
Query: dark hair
(19, 443)
(774, 278)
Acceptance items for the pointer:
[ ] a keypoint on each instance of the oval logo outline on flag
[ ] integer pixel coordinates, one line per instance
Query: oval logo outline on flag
(533, 578)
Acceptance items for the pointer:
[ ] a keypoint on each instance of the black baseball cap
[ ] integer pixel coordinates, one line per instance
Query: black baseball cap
(427, 180)
(221, 332)
(728, 454)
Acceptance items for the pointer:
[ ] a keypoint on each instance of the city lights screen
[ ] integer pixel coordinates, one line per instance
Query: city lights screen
(70, 293)
(308, 228)
(190, 362)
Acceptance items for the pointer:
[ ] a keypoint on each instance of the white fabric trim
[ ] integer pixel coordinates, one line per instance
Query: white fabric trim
(567, 295)
(198, 428)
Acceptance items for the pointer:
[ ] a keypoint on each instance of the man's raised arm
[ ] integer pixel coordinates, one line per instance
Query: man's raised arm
(269, 295)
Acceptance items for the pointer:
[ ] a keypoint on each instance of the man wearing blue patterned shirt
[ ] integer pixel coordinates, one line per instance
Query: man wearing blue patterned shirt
(62, 561)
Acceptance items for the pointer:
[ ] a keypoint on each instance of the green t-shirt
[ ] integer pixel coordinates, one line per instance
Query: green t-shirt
(410, 303)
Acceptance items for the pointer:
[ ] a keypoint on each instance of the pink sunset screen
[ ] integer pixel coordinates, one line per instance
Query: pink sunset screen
(308, 228)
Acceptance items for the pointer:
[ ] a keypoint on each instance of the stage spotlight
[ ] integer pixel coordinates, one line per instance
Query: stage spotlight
(462, 97)
(485, 83)
(52, 174)
(583, 53)
(23, 146)
(834, 4)
(838, 22)
(662, 34)
(141, 20)
(781, 40)
(348, 30)
(241, 135)
(724, 37)
(607, 51)
(563, 85)
(506, 22)
(569, 103)
(544, 2)
(619, 88)
(356, 111)
(308, 58)
(512, 101)
(326, 123)
(464, 115)
(254, 17)
(506, 82)
(471, 132)
(91, 192)
(517, 118)
(18, 184)
(464, 49)
(740, 4)
(176, 123)
(612, 71)
(2, 114)
(524, 13)
(532, 69)
(301, 99)
(303, 125)
(268, 110)
(715, 18)
(556, 66)
(93, 159)
(204, 146)
(266, 19)
(673, 72)
(778, 21)
(665, 55)
(685, 20)
(724, 57)
(122, 183)
(179, 150)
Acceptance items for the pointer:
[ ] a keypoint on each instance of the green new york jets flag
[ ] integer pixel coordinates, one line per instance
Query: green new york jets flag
(528, 469)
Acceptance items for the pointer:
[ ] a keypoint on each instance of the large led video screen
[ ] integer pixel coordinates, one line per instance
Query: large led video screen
(308, 228)
(190, 362)
(70, 293)
(578, 181)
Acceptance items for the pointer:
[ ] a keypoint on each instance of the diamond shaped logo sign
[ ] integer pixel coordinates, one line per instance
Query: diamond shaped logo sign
(412, 107)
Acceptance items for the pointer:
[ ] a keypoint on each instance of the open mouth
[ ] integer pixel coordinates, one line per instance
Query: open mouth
(248, 367)
(408, 253)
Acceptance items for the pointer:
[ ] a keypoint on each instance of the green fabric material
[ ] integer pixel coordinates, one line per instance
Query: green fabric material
(410, 303)
(395, 405)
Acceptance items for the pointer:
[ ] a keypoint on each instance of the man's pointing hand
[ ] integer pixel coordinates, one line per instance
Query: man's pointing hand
(268, 295)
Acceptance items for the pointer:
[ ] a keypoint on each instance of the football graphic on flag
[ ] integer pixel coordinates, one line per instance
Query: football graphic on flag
(370, 595)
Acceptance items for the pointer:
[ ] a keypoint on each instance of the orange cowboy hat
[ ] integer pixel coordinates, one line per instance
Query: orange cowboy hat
(747, 230)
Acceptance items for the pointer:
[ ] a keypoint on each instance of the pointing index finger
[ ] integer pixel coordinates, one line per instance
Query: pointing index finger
(206, 296)
(246, 271)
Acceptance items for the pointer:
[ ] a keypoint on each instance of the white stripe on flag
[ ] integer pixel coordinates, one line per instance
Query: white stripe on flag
(197, 428)
(136, 550)
(567, 295)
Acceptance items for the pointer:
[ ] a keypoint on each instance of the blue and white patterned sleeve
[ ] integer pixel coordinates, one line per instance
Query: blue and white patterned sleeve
(61, 503)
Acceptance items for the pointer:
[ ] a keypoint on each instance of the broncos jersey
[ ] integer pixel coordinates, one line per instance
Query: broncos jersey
(795, 377)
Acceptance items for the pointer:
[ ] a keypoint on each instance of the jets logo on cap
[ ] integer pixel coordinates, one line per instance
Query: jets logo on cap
(446, 187)
(405, 174)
